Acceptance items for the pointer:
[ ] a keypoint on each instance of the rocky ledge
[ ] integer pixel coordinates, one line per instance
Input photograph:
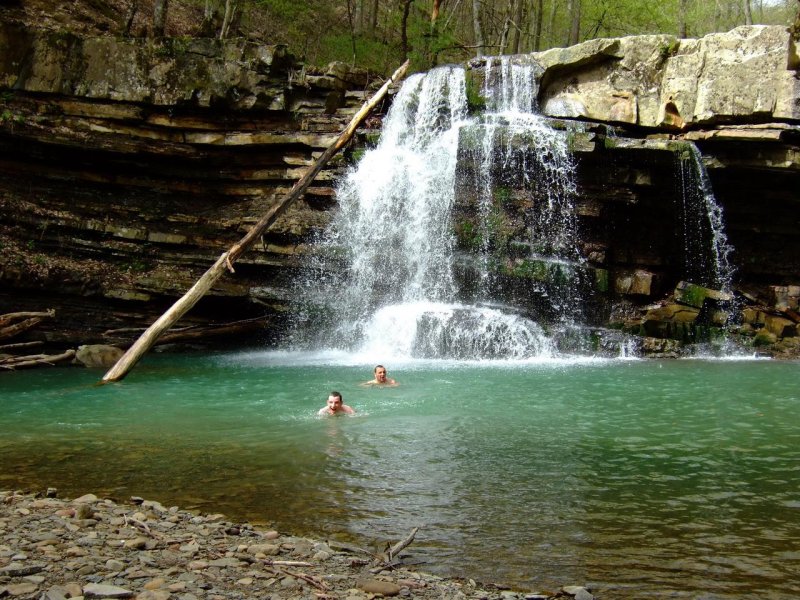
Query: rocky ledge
(53, 549)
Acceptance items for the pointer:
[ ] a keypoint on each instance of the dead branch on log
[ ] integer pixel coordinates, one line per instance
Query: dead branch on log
(398, 547)
(226, 260)
(315, 581)
(36, 360)
(393, 552)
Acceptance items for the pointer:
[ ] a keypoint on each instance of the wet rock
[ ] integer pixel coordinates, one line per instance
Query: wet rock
(98, 355)
(578, 592)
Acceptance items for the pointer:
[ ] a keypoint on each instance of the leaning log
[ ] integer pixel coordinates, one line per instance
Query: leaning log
(226, 260)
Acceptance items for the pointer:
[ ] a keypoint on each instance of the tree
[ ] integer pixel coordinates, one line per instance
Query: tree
(682, 18)
(574, 12)
(517, 24)
(404, 28)
(159, 17)
(748, 15)
(227, 19)
(477, 25)
(537, 28)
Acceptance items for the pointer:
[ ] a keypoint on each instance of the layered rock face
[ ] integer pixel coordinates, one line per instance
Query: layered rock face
(128, 166)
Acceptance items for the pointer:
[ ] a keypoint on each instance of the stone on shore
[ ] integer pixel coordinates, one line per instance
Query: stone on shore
(52, 549)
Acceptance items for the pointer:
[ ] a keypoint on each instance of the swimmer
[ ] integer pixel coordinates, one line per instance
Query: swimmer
(336, 406)
(380, 377)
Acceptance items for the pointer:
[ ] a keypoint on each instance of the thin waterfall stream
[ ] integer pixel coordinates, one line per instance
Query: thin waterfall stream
(707, 251)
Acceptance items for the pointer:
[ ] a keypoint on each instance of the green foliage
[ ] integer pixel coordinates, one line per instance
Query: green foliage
(601, 280)
(137, 265)
(475, 100)
(502, 196)
(363, 52)
(468, 236)
(351, 31)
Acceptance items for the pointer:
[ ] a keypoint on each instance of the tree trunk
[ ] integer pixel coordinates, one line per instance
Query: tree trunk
(373, 26)
(748, 14)
(682, 26)
(351, 21)
(160, 17)
(552, 23)
(404, 29)
(515, 38)
(230, 7)
(477, 26)
(537, 28)
(574, 12)
(129, 16)
(182, 306)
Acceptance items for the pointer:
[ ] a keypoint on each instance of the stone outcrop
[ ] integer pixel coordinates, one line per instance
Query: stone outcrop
(128, 165)
(748, 75)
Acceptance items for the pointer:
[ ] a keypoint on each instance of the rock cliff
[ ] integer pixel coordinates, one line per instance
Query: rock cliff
(128, 165)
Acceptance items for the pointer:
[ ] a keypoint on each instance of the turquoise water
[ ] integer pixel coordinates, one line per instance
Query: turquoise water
(641, 479)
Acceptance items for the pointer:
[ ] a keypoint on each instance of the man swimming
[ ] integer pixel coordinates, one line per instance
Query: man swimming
(335, 406)
(380, 377)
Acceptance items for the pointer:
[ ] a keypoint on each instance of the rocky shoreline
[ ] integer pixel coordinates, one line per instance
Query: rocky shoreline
(54, 549)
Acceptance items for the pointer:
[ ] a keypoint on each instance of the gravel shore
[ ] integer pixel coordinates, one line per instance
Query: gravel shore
(53, 549)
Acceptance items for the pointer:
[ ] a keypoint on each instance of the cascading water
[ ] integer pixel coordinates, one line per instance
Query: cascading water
(516, 148)
(394, 237)
(706, 247)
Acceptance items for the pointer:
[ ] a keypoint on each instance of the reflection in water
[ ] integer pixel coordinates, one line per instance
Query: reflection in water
(642, 479)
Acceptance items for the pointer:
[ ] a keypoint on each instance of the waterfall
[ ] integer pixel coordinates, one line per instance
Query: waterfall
(386, 273)
(706, 247)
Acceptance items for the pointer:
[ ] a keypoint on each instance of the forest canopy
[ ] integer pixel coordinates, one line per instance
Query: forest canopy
(380, 34)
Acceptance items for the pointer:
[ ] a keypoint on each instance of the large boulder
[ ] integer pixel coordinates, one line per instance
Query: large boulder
(98, 355)
(747, 74)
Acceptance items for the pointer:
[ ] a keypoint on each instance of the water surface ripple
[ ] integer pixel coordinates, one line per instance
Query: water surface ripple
(641, 479)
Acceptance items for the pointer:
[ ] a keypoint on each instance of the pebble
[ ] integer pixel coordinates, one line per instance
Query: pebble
(53, 549)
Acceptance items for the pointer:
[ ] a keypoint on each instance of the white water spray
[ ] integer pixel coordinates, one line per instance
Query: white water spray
(395, 238)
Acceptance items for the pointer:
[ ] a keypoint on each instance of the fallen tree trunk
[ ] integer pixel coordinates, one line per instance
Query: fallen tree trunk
(36, 360)
(8, 318)
(20, 345)
(226, 260)
(193, 332)
(29, 320)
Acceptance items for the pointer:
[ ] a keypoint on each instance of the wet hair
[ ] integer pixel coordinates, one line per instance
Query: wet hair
(375, 370)
(336, 395)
